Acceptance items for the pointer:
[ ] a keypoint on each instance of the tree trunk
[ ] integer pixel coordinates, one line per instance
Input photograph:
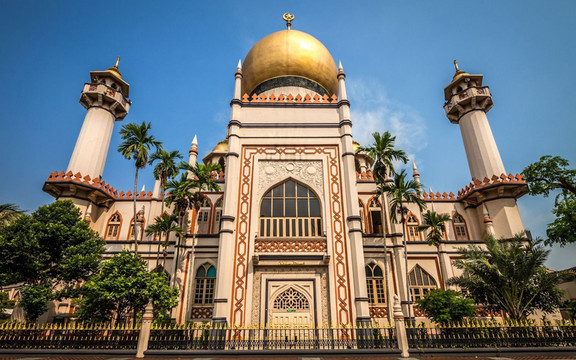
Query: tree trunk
(408, 297)
(161, 213)
(179, 242)
(385, 231)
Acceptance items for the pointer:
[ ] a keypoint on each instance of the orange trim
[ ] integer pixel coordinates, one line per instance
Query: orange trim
(184, 286)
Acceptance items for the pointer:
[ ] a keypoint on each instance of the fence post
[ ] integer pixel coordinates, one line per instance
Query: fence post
(400, 328)
(144, 335)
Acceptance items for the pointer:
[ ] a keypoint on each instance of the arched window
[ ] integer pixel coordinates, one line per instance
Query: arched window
(217, 215)
(113, 228)
(420, 283)
(222, 164)
(205, 279)
(290, 210)
(291, 299)
(362, 218)
(375, 215)
(375, 284)
(204, 216)
(141, 223)
(460, 227)
(412, 228)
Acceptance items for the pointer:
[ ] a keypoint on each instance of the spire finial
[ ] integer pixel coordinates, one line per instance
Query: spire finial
(117, 62)
(288, 18)
(456, 65)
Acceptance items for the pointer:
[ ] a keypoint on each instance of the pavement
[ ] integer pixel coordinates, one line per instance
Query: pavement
(288, 357)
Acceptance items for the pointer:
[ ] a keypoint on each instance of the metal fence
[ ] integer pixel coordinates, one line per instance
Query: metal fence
(208, 337)
(492, 334)
(67, 336)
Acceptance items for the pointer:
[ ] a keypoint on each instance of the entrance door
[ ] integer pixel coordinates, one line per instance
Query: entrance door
(292, 319)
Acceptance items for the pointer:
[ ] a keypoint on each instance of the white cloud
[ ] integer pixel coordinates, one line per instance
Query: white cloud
(372, 110)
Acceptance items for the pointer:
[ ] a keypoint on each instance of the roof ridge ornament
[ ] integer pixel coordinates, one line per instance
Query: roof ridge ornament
(288, 18)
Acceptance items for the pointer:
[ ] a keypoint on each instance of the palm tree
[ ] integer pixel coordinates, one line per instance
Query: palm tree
(510, 275)
(137, 142)
(179, 194)
(384, 154)
(434, 223)
(402, 191)
(8, 213)
(165, 169)
(164, 224)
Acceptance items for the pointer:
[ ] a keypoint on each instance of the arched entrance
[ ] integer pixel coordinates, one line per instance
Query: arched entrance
(291, 306)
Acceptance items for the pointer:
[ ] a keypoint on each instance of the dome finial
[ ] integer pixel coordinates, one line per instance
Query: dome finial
(114, 68)
(288, 18)
(117, 62)
(458, 71)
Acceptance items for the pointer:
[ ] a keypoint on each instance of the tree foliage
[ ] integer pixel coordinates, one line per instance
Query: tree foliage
(124, 286)
(402, 191)
(549, 174)
(49, 252)
(434, 223)
(446, 306)
(384, 154)
(510, 276)
(8, 213)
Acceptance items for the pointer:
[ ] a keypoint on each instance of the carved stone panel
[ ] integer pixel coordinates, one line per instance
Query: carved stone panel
(274, 171)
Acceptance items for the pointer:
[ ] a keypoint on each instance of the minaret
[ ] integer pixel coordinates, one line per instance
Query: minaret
(467, 103)
(106, 101)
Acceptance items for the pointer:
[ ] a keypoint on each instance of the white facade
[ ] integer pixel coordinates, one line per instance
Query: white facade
(296, 233)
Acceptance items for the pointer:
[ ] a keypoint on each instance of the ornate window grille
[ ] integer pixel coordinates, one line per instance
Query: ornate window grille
(420, 283)
(205, 280)
(375, 284)
(113, 228)
(290, 210)
(460, 227)
(291, 299)
(412, 228)
(375, 210)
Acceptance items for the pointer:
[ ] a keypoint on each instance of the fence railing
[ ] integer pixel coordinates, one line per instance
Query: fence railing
(208, 337)
(67, 336)
(492, 334)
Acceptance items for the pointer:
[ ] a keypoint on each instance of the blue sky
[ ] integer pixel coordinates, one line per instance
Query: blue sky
(180, 57)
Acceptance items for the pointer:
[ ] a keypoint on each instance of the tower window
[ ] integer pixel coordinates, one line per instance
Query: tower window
(375, 284)
(375, 215)
(460, 227)
(290, 210)
(204, 216)
(421, 283)
(412, 228)
(217, 216)
(205, 280)
(113, 228)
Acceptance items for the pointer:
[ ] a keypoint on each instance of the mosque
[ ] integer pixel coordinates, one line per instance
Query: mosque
(297, 233)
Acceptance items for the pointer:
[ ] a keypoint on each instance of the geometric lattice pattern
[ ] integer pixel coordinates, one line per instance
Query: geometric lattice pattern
(378, 312)
(290, 246)
(198, 313)
(291, 299)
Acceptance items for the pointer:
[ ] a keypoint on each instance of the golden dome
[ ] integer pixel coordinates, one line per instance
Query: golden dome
(114, 69)
(289, 53)
(221, 146)
(355, 145)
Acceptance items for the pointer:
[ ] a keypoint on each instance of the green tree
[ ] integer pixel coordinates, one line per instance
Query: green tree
(402, 191)
(5, 304)
(165, 169)
(549, 174)
(49, 252)
(446, 306)
(435, 226)
(509, 275)
(383, 152)
(164, 224)
(124, 286)
(136, 144)
(8, 213)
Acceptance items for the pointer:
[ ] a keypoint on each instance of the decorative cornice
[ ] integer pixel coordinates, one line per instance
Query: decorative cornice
(307, 99)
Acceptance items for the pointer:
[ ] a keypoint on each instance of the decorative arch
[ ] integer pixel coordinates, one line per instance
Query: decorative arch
(375, 215)
(412, 224)
(205, 280)
(290, 209)
(375, 283)
(113, 227)
(421, 283)
(460, 227)
(291, 299)
(203, 217)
